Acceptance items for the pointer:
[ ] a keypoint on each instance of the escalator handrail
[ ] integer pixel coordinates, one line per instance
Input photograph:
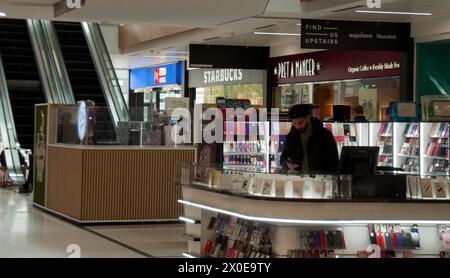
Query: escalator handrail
(106, 72)
(8, 132)
(50, 62)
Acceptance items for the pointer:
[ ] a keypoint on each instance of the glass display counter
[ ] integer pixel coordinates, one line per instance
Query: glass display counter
(253, 215)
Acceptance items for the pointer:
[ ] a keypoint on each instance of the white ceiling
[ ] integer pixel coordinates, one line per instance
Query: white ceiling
(232, 22)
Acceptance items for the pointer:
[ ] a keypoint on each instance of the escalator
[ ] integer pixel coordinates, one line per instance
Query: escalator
(22, 76)
(83, 75)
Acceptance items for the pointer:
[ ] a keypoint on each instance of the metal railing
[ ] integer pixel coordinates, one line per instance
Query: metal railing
(52, 69)
(8, 132)
(106, 72)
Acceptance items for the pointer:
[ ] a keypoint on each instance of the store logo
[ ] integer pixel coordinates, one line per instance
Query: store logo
(160, 75)
(374, 4)
(222, 75)
(73, 4)
(301, 68)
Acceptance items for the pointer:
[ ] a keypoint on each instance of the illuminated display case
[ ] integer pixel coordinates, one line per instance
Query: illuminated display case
(232, 214)
(246, 146)
(381, 135)
(411, 147)
(434, 147)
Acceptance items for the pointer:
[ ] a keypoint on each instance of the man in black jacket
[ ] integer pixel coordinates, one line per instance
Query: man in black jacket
(309, 145)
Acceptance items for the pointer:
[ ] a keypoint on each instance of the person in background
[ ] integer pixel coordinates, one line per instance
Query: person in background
(359, 114)
(309, 145)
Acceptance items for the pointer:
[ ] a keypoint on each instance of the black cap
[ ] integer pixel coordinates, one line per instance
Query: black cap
(300, 111)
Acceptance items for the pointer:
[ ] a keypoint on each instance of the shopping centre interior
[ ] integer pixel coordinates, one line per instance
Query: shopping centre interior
(225, 129)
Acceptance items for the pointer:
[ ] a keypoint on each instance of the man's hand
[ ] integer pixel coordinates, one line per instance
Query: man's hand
(292, 166)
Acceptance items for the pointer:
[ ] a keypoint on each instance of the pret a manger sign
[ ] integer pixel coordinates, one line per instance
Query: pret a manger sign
(294, 69)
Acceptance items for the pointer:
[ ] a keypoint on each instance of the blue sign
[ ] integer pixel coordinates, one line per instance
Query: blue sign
(164, 75)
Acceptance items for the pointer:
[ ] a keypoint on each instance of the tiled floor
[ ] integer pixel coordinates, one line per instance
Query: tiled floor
(156, 240)
(28, 232)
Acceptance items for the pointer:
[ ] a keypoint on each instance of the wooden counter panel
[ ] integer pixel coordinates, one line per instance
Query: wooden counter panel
(131, 184)
(64, 179)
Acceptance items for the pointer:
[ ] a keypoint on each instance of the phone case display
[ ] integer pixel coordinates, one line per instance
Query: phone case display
(237, 239)
(407, 147)
(390, 237)
(279, 132)
(318, 244)
(345, 134)
(321, 240)
(382, 137)
(435, 140)
(245, 147)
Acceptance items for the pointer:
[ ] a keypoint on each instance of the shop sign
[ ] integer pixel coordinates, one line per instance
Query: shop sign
(299, 68)
(222, 75)
(334, 65)
(164, 75)
(201, 78)
(355, 35)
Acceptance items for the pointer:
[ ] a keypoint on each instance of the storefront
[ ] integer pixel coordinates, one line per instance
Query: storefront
(327, 78)
(152, 86)
(209, 84)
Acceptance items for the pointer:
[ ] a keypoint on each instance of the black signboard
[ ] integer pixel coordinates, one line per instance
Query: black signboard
(355, 35)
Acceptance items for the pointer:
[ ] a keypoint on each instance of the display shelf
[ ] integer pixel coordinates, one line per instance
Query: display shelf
(409, 156)
(435, 147)
(287, 220)
(244, 153)
(382, 135)
(241, 154)
(435, 157)
(406, 142)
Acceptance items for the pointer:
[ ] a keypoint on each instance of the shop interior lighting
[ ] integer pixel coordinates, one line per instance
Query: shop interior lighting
(188, 220)
(277, 34)
(189, 256)
(311, 222)
(2, 14)
(389, 12)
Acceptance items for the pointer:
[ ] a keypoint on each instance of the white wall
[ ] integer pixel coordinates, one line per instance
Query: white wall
(434, 29)
(111, 35)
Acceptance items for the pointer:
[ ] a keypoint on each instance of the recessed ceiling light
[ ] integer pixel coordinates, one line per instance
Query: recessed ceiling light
(277, 34)
(2, 14)
(387, 12)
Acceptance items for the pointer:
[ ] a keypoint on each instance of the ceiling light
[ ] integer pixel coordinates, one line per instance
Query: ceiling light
(277, 34)
(387, 12)
(2, 14)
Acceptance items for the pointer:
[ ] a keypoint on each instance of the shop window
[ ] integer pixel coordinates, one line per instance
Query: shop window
(253, 92)
(375, 95)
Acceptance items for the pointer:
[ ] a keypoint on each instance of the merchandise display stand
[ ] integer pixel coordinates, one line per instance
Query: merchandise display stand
(300, 216)
(407, 147)
(435, 148)
(382, 136)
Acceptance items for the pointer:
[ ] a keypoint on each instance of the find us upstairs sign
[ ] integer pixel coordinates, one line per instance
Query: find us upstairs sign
(355, 35)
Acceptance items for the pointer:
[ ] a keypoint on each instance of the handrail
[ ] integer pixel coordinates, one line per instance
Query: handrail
(106, 72)
(8, 131)
(50, 62)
